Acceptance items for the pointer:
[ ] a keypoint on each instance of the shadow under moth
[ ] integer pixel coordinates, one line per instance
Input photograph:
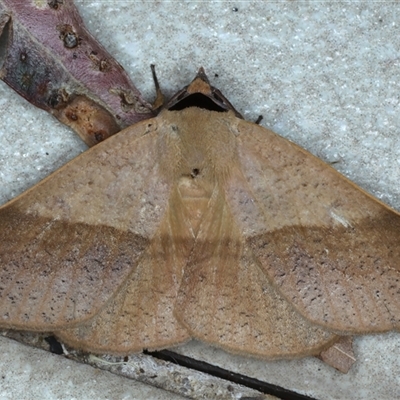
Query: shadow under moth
(189, 223)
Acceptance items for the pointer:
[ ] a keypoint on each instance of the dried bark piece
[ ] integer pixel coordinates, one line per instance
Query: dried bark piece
(340, 355)
(48, 56)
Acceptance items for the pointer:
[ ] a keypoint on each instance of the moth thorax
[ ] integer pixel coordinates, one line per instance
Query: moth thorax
(195, 197)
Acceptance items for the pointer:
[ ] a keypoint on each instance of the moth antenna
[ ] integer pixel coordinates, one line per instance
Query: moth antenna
(159, 101)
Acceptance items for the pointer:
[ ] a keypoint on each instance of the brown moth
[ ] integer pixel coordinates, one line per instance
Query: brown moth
(198, 224)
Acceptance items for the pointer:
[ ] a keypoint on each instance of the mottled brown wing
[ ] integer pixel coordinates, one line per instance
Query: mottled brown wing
(330, 249)
(226, 300)
(69, 243)
(140, 316)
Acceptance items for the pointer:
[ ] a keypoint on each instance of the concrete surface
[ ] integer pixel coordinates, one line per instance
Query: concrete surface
(27, 373)
(322, 74)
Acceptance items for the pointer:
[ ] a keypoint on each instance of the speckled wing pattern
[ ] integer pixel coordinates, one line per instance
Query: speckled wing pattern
(226, 300)
(331, 249)
(196, 224)
(68, 244)
(141, 314)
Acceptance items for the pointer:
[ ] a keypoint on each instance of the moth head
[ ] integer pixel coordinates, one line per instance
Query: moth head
(199, 93)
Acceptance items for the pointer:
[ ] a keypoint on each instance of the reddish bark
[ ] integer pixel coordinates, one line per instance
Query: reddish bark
(48, 56)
